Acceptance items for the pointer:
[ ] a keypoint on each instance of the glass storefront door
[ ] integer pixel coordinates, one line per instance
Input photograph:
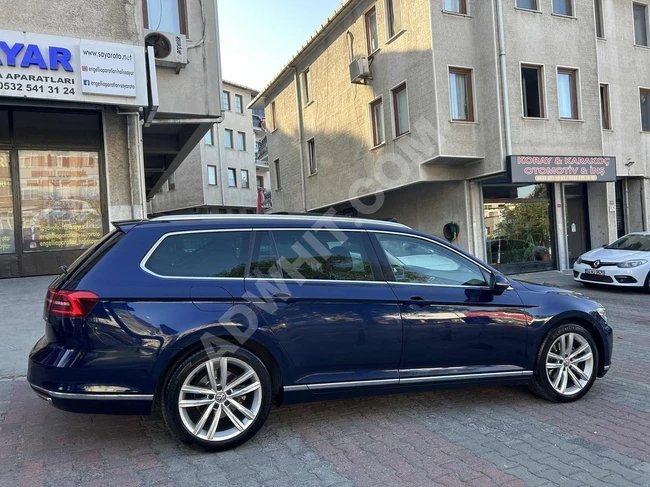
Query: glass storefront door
(577, 220)
(518, 226)
(7, 237)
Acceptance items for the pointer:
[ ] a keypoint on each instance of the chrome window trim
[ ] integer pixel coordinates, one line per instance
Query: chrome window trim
(319, 281)
(189, 232)
(96, 397)
(406, 380)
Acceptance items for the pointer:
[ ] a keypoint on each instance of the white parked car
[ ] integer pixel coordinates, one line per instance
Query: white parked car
(624, 263)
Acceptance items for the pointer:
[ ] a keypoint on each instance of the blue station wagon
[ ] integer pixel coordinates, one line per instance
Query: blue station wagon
(215, 318)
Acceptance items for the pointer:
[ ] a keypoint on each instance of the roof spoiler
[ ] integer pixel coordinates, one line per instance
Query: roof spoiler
(125, 226)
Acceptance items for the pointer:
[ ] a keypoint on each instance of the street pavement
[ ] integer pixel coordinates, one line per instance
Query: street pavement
(479, 437)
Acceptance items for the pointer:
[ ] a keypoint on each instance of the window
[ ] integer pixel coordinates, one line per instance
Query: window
(567, 93)
(208, 254)
(244, 179)
(372, 39)
(241, 141)
(600, 21)
(532, 91)
(273, 121)
(212, 175)
(324, 255)
(229, 140)
(7, 239)
(418, 261)
(460, 87)
(605, 113)
(401, 110)
(278, 179)
(311, 153)
(260, 181)
(306, 85)
(171, 182)
(226, 100)
(563, 7)
(165, 15)
(208, 137)
(528, 4)
(457, 6)
(640, 24)
(377, 117)
(232, 178)
(394, 17)
(264, 261)
(645, 110)
(239, 104)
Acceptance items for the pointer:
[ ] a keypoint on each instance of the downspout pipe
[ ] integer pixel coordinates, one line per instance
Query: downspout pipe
(303, 182)
(504, 77)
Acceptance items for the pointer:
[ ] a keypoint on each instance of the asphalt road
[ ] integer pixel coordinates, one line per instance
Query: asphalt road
(485, 436)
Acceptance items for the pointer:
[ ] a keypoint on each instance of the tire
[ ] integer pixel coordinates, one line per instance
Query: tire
(545, 382)
(190, 383)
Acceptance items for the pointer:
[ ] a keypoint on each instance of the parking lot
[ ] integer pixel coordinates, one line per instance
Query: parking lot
(487, 436)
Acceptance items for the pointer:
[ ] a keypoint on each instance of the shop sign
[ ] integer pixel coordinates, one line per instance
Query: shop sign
(68, 69)
(561, 169)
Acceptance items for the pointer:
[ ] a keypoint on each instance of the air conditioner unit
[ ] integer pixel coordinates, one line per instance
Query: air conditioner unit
(170, 50)
(359, 70)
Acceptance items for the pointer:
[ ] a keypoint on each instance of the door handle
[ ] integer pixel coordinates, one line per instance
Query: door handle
(416, 298)
(417, 302)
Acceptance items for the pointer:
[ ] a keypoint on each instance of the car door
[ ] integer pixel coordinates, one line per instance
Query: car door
(453, 322)
(323, 295)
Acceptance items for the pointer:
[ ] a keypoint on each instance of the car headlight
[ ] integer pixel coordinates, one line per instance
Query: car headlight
(632, 263)
(602, 312)
(579, 261)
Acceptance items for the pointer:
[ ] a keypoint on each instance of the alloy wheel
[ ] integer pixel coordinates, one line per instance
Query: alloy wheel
(220, 399)
(569, 364)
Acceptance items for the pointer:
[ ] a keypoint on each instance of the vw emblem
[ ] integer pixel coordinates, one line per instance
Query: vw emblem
(596, 264)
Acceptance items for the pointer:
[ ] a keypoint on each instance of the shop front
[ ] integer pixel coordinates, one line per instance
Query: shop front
(537, 217)
(54, 94)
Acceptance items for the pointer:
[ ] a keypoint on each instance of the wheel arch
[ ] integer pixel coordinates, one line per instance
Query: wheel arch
(586, 322)
(255, 347)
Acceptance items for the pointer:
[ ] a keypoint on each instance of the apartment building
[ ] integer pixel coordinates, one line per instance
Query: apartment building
(221, 174)
(100, 102)
(518, 129)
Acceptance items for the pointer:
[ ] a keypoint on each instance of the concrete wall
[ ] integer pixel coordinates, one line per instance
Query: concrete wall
(189, 178)
(116, 166)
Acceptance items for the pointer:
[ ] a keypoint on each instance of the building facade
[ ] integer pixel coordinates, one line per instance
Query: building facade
(99, 103)
(221, 173)
(515, 128)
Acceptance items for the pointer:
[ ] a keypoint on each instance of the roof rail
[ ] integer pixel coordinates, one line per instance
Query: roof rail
(302, 217)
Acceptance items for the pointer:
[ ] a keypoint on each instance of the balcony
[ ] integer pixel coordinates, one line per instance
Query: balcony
(266, 198)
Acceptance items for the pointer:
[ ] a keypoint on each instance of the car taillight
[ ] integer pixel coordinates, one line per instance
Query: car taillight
(73, 304)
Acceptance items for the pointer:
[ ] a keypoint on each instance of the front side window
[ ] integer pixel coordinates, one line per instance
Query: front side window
(244, 179)
(401, 110)
(645, 110)
(394, 17)
(239, 104)
(532, 91)
(226, 100)
(460, 87)
(229, 142)
(206, 254)
(165, 15)
(567, 89)
(232, 178)
(640, 24)
(377, 115)
(563, 7)
(417, 261)
(457, 6)
(527, 4)
(332, 255)
(372, 39)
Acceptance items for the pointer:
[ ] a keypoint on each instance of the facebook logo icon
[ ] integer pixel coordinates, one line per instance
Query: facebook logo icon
(86, 82)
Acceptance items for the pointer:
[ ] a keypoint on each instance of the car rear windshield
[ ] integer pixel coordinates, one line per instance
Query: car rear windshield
(82, 266)
(632, 242)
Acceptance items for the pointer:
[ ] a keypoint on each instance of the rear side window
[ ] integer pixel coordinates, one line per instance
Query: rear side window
(336, 255)
(204, 254)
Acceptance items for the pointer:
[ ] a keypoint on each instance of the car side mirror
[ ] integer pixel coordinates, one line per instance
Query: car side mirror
(499, 284)
(604, 245)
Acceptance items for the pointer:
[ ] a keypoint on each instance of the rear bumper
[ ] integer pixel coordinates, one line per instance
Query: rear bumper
(84, 382)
